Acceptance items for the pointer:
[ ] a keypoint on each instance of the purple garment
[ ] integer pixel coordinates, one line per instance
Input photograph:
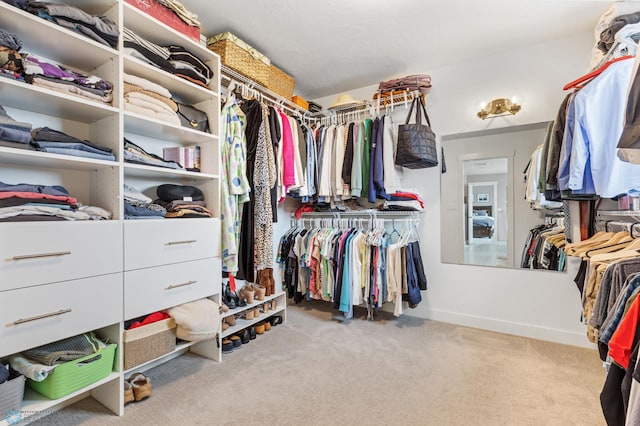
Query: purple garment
(36, 66)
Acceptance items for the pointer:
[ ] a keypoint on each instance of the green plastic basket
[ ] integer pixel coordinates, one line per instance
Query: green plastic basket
(74, 375)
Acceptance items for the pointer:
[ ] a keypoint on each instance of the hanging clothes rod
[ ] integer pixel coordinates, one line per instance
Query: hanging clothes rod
(228, 75)
(362, 213)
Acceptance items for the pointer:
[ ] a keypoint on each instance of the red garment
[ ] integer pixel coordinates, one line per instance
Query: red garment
(154, 317)
(37, 195)
(288, 160)
(621, 343)
(232, 283)
(304, 208)
(410, 195)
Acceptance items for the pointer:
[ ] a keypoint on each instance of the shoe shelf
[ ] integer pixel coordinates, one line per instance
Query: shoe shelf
(249, 306)
(242, 323)
(34, 404)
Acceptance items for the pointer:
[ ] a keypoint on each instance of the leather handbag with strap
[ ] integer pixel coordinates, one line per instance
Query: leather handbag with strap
(193, 118)
(416, 142)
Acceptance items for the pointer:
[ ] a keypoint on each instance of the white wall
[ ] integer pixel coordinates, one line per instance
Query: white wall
(536, 304)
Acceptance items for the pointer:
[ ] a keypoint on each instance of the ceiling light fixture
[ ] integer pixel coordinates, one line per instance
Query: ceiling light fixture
(498, 108)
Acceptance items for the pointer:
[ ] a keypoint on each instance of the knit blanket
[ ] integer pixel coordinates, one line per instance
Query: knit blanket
(65, 350)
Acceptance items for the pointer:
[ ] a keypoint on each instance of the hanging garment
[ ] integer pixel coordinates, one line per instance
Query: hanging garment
(234, 185)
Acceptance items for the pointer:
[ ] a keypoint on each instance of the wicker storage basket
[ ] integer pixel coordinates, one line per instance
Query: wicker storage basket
(148, 342)
(280, 82)
(11, 394)
(301, 102)
(75, 375)
(240, 57)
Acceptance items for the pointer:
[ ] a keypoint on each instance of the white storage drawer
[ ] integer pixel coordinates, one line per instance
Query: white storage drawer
(34, 316)
(33, 253)
(160, 242)
(162, 287)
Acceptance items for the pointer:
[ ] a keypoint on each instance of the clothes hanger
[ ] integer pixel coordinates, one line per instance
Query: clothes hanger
(578, 83)
(596, 238)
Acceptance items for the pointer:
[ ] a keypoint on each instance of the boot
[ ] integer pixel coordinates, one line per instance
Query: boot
(272, 281)
(260, 285)
(263, 276)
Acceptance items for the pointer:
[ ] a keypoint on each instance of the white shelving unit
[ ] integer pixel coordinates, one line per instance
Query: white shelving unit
(85, 276)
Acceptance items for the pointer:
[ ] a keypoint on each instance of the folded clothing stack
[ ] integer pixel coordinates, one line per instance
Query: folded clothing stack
(174, 59)
(189, 66)
(57, 142)
(150, 99)
(31, 202)
(37, 363)
(404, 200)
(10, 57)
(182, 201)
(20, 4)
(135, 154)
(139, 206)
(13, 133)
(99, 28)
(197, 320)
(178, 8)
(43, 73)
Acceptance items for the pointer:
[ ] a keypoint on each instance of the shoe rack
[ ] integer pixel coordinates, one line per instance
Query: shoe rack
(240, 313)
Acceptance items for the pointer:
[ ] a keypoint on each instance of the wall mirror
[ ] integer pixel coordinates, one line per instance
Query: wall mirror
(485, 217)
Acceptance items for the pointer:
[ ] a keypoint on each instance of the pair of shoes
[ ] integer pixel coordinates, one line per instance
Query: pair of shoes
(236, 341)
(275, 320)
(128, 393)
(259, 328)
(141, 387)
(231, 299)
(249, 314)
(245, 336)
(247, 293)
(227, 346)
(266, 324)
(265, 279)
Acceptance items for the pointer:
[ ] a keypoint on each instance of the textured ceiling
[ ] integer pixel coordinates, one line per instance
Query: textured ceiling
(335, 45)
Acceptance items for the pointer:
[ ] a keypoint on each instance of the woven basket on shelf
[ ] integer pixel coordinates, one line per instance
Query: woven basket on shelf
(280, 82)
(240, 57)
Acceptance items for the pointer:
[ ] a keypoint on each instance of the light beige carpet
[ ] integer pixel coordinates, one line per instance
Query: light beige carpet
(318, 369)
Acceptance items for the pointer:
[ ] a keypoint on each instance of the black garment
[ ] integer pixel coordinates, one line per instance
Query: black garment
(555, 144)
(21, 4)
(348, 157)
(581, 276)
(611, 397)
(246, 266)
(158, 60)
(276, 132)
(418, 265)
(630, 137)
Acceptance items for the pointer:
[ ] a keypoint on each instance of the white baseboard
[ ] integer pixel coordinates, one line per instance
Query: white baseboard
(567, 337)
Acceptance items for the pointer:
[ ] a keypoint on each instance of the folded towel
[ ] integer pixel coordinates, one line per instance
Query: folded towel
(29, 369)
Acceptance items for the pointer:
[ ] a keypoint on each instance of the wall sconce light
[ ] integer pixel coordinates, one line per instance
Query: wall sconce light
(498, 108)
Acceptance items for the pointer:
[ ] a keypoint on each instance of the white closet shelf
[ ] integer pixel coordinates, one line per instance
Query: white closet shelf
(34, 403)
(28, 97)
(23, 157)
(143, 171)
(46, 39)
(241, 324)
(153, 128)
(150, 28)
(255, 304)
(180, 348)
(180, 88)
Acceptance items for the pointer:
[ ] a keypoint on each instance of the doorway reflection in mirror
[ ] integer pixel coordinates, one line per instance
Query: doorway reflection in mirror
(485, 236)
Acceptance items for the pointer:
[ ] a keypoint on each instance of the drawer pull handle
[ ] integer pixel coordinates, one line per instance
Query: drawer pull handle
(175, 243)
(39, 317)
(172, 286)
(37, 256)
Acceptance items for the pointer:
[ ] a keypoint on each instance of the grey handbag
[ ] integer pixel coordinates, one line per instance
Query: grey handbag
(416, 142)
(193, 118)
